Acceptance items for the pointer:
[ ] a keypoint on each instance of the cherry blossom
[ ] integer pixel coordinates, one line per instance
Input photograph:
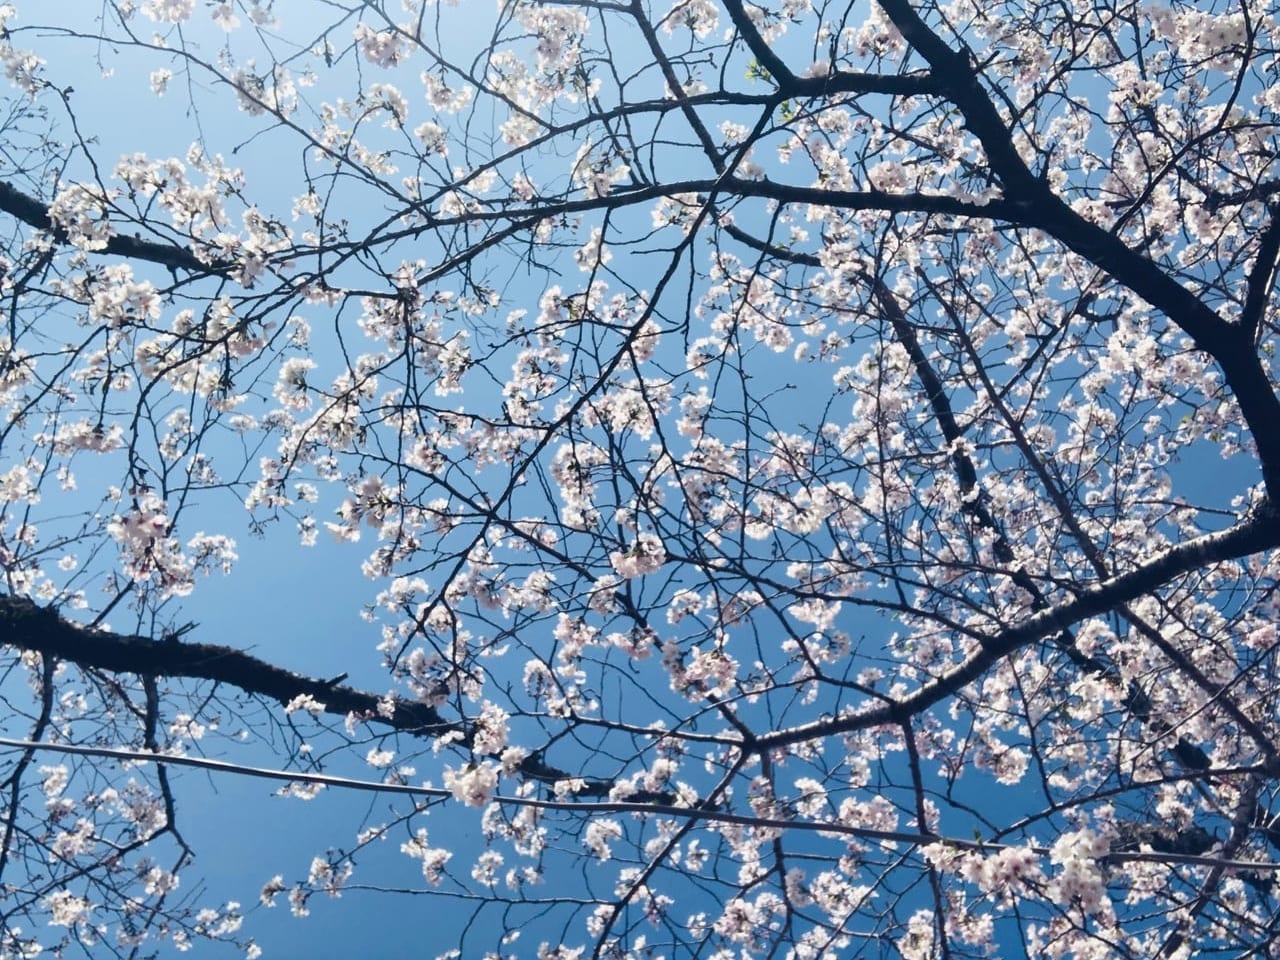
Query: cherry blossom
(799, 477)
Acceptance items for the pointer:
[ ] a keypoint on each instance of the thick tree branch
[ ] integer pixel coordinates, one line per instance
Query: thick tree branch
(901, 85)
(757, 44)
(1231, 345)
(1043, 207)
(35, 214)
(27, 626)
(1257, 532)
(1262, 276)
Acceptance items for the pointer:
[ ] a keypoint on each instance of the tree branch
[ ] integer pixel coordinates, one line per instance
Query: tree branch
(40, 629)
(1046, 210)
(1259, 531)
(28, 626)
(35, 214)
(1263, 274)
(757, 44)
(1187, 851)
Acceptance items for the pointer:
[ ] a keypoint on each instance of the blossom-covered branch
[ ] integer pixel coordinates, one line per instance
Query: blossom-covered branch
(33, 213)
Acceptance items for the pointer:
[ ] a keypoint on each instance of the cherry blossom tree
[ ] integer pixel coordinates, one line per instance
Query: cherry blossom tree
(814, 468)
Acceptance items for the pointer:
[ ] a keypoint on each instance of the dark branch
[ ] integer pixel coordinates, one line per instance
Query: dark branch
(757, 44)
(27, 626)
(1230, 344)
(1259, 531)
(1263, 274)
(35, 214)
